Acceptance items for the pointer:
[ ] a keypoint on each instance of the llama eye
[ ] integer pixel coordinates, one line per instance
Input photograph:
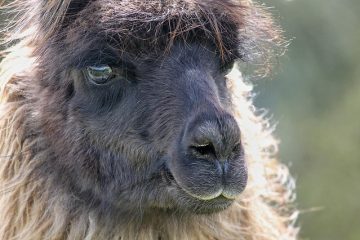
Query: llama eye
(99, 74)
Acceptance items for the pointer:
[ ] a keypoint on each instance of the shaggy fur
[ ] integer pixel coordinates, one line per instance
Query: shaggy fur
(31, 205)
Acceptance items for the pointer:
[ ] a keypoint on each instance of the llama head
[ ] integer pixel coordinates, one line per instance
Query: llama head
(132, 102)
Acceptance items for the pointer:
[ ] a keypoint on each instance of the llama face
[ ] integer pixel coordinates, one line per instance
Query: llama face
(147, 126)
(118, 122)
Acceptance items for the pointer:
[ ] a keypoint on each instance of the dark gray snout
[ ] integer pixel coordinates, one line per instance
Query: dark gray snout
(210, 161)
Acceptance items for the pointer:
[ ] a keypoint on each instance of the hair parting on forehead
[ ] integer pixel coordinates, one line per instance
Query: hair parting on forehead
(239, 29)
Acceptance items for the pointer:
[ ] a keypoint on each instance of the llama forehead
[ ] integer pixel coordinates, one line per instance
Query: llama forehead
(160, 6)
(156, 25)
(193, 12)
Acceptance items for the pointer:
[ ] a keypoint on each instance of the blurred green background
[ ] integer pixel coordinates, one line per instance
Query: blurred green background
(315, 99)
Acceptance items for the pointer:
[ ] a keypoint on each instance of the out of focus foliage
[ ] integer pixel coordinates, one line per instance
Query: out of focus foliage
(315, 98)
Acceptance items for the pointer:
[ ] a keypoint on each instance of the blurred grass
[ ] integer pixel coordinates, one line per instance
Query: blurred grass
(315, 98)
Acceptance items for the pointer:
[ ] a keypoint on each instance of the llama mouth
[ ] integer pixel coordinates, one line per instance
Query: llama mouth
(193, 203)
(214, 205)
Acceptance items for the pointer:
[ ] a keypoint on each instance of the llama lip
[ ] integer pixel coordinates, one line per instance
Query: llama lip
(198, 205)
(214, 205)
(205, 180)
(217, 197)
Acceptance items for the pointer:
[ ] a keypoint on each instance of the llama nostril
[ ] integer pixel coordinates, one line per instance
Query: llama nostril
(212, 137)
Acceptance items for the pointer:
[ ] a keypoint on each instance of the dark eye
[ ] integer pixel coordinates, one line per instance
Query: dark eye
(99, 74)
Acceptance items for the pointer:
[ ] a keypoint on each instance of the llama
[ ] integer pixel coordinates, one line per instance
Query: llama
(131, 120)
